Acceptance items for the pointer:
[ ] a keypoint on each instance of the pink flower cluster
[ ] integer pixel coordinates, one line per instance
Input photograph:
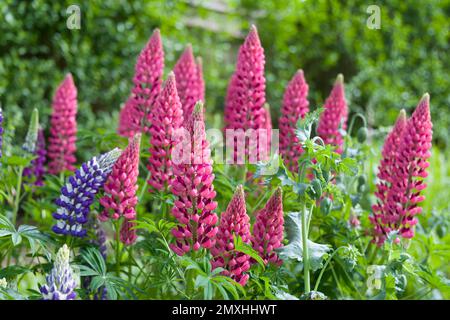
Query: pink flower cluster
(334, 117)
(193, 187)
(401, 173)
(233, 222)
(295, 107)
(63, 128)
(190, 84)
(165, 118)
(244, 105)
(268, 229)
(120, 188)
(147, 86)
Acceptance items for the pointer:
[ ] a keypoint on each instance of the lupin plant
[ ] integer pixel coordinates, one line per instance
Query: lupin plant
(36, 170)
(194, 190)
(295, 106)
(77, 195)
(63, 128)
(407, 167)
(234, 222)
(61, 281)
(165, 118)
(190, 85)
(333, 120)
(147, 86)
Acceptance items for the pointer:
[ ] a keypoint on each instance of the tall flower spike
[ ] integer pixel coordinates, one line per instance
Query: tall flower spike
(295, 107)
(37, 169)
(268, 229)
(79, 192)
(63, 128)
(233, 222)
(128, 234)
(120, 189)
(244, 105)
(334, 118)
(194, 190)
(60, 282)
(166, 117)
(403, 196)
(380, 218)
(188, 82)
(1, 134)
(147, 86)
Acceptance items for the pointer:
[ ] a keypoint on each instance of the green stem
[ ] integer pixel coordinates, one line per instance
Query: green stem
(141, 193)
(324, 267)
(305, 250)
(190, 278)
(17, 197)
(117, 224)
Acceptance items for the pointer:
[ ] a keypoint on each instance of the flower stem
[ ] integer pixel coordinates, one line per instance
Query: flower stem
(117, 225)
(17, 197)
(305, 250)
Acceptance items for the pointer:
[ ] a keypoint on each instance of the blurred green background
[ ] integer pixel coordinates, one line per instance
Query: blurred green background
(385, 69)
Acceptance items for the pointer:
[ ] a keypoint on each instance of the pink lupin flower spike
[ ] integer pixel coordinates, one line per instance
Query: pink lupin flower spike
(268, 229)
(295, 106)
(193, 187)
(120, 189)
(233, 222)
(147, 86)
(63, 128)
(404, 195)
(334, 117)
(165, 118)
(244, 107)
(385, 174)
(188, 82)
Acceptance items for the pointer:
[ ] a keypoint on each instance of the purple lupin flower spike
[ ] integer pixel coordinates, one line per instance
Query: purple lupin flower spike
(60, 282)
(79, 192)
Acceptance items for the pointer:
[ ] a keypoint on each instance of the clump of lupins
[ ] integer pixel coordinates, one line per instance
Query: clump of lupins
(193, 187)
(79, 192)
(60, 282)
(406, 165)
(63, 128)
(190, 85)
(165, 118)
(268, 229)
(120, 189)
(233, 222)
(295, 107)
(334, 118)
(37, 169)
(244, 105)
(147, 86)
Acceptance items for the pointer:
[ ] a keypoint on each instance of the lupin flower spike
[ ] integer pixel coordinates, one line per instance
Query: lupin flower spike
(63, 129)
(268, 229)
(403, 197)
(128, 233)
(334, 118)
(147, 86)
(120, 189)
(79, 192)
(37, 169)
(244, 106)
(187, 74)
(165, 118)
(233, 222)
(295, 107)
(194, 191)
(60, 282)
(32, 134)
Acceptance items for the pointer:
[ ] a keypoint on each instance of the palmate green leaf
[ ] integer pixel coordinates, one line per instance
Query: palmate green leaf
(17, 161)
(13, 271)
(240, 246)
(294, 250)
